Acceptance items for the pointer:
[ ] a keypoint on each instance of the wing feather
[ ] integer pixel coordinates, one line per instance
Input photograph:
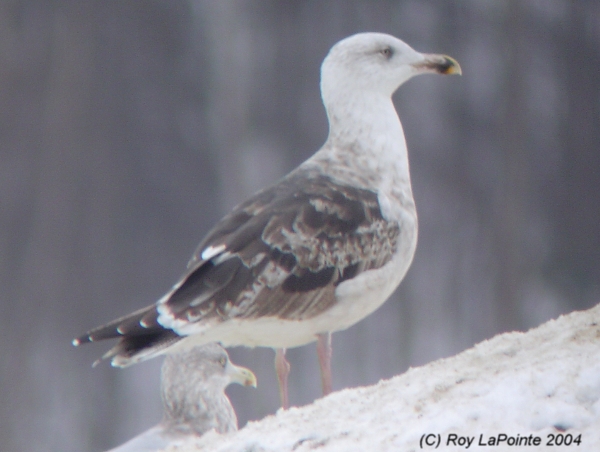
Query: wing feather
(284, 252)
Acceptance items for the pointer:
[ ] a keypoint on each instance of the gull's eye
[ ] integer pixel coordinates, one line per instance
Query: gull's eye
(387, 52)
(223, 361)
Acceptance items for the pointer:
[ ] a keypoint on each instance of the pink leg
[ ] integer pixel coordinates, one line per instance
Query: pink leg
(324, 352)
(282, 367)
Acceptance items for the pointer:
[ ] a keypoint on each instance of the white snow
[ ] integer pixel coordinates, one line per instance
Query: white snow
(523, 385)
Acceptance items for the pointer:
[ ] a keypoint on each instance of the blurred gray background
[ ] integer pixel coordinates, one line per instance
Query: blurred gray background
(127, 128)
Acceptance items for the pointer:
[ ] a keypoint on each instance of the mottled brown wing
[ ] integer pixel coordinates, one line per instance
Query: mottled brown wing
(283, 252)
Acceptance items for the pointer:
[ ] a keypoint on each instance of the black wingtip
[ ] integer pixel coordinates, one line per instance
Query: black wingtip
(136, 323)
(81, 340)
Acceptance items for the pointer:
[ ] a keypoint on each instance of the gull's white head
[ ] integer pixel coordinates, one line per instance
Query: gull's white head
(377, 63)
(188, 376)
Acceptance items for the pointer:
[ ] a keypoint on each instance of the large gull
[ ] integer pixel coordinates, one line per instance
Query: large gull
(316, 252)
(192, 387)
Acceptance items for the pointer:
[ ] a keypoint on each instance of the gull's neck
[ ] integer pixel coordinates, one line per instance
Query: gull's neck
(366, 144)
(197, 411)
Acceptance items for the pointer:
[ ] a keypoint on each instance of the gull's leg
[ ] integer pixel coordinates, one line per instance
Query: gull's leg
(282, 367)
(324, 352)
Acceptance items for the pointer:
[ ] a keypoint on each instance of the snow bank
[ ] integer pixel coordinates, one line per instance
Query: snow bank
(514, 392)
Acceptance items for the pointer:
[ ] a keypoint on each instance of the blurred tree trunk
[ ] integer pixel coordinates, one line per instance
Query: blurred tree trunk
(512, 204)
(574, 206)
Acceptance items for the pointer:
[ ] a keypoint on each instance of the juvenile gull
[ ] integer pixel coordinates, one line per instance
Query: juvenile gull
(314, 253)
(192, 387)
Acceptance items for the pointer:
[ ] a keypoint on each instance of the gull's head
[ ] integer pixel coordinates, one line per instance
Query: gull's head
(213, 363)
(190, 374)
(240, 375)
(377, 63)
(193, 383)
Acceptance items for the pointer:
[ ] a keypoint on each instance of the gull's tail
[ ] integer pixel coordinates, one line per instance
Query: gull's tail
(140, 337)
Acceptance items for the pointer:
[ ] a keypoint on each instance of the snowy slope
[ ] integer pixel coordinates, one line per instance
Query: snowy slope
(541, 384)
